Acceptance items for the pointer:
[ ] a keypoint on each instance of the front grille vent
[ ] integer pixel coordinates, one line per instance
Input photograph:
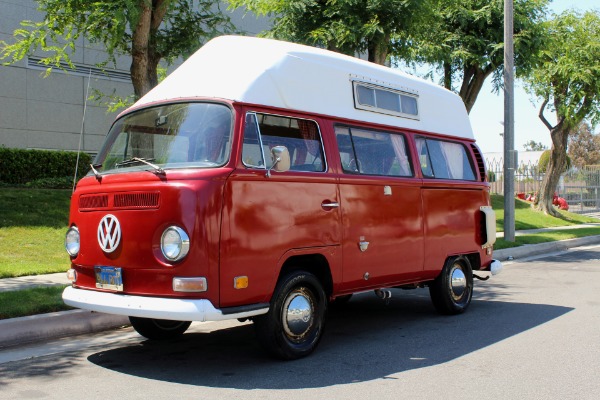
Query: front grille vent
(109, 201)
(136, 200)
(90, 202)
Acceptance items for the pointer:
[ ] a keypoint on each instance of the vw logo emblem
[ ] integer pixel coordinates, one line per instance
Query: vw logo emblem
(109, 233)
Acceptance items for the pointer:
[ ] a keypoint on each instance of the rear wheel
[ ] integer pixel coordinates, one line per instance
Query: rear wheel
(159, 329)
(452, 290)
(294, 324)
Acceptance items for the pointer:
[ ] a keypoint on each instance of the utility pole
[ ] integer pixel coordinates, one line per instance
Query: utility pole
(510, 159)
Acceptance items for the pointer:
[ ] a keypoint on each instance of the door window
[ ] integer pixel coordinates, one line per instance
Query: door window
(372, 152)
(300, 136)
(444, 160)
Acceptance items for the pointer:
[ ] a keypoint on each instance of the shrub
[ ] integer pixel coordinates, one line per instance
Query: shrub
(18, 166)
(545, 159)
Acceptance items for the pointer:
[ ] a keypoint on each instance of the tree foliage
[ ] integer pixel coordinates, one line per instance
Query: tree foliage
(147, 30)
(532, 145)
(584, 146)
(346, 26)
(464, 41)
(567, 80)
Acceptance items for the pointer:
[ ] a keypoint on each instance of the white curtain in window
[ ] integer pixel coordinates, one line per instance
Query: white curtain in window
(454, 153)
(310, 134)
(400, 150)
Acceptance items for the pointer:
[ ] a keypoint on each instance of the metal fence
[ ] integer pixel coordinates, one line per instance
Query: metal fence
(579, 187)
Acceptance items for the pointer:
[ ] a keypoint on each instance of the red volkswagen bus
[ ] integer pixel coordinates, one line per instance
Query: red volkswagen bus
(263, 179)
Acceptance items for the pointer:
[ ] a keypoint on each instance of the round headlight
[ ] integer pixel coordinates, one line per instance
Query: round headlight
(72, 241)
(174, 243)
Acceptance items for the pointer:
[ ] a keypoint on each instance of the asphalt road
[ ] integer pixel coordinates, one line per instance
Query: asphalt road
(532, 332)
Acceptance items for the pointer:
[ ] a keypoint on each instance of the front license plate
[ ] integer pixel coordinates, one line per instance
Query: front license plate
(109, 278)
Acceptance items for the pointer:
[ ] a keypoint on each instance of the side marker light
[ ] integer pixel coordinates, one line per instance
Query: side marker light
(240, 282)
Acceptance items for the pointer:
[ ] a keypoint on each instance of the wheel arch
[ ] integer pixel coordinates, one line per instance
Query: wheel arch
(315, 263)
(474, 260)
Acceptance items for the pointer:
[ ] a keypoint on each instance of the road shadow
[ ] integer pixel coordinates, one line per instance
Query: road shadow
(364, 340)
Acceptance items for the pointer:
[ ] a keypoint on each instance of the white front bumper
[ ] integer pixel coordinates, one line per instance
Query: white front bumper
(150, 307)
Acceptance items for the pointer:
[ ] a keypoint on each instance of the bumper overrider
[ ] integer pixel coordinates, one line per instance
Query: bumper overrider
(495, 267)
(157, 307)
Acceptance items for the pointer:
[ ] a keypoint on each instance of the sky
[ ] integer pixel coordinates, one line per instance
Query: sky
(488, 112)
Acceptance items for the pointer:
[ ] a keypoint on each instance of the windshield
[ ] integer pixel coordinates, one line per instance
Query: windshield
(179, 135)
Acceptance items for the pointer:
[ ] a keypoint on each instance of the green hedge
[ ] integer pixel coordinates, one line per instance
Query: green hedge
(21, 167)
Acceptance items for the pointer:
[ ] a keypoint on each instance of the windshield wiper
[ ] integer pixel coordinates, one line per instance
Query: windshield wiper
(146, 161)
(96, 173)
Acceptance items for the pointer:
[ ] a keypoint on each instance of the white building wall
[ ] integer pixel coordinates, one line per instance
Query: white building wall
(47, 113)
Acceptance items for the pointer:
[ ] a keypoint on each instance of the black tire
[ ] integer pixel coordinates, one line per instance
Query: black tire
(452, 290)
(159, 329)
(294, 324)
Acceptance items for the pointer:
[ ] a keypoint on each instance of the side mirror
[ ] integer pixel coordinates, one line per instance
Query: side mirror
(281, 160)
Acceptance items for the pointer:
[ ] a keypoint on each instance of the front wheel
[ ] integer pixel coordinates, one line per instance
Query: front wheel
(294, 324)
(452, 290)
(159, 329)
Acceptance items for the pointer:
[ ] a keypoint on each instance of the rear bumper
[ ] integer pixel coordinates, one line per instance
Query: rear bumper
(153, 307)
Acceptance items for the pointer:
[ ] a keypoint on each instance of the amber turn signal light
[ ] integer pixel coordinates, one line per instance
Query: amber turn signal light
(240, 282)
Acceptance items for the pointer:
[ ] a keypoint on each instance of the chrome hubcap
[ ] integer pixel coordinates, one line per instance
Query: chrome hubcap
(297, 314)
(458, 282)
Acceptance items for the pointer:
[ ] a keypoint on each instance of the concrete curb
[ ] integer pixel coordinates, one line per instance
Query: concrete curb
(35, 328)
(530, 250)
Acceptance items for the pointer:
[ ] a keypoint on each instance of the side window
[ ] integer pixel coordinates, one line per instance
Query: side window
(252, 155)
(444, 160)
(385, 100)
(424, 160)
(372, 152)
(301, 137)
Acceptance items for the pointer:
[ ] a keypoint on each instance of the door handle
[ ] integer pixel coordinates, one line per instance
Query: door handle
(330, 204)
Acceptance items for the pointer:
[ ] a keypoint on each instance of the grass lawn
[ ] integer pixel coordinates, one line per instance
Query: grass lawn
(33, 223)
(545, 237)
(34, 208)
(31, 302)
(528, 218)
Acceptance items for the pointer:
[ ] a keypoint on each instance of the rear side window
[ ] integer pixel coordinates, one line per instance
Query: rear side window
(301, 137)
(444, 160)
(370, 152)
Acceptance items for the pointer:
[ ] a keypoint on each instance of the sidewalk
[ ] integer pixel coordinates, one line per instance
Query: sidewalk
(30, 282)
(18, 331)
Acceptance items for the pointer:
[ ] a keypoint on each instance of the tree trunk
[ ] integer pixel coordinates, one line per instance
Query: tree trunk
(447, 75)
(473, 79)
(144, 63)
(144, 58)
(378, 49)
(556, 166)
(139, 50)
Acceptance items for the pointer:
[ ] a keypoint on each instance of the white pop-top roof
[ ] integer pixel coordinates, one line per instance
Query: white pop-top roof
(303, 78)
